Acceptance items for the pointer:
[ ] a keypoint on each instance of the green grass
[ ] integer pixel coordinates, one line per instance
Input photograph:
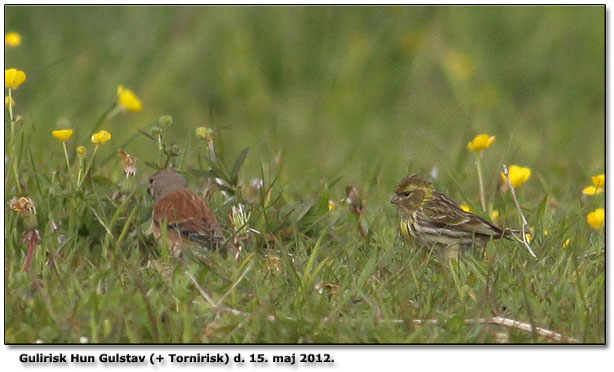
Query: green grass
(324, 98)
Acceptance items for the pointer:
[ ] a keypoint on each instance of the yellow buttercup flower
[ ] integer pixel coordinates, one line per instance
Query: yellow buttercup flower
(62, 134)
(518, 175)
(466, 208)
(599, 180)
(481, 142)
(331, 205)
(13, 78)
(12, 39)
(81, 150)
(494, 214)
(101, 137)
(566, 243)
(596, 218)
(9, 101)
(599, 185)
(528, 237)
(128, 99)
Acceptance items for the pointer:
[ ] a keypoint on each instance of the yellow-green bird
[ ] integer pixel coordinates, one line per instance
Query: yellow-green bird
(435, 220)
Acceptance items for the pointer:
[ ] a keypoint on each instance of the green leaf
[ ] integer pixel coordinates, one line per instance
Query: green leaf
(234, 174)
(307, 275)
(541, 210)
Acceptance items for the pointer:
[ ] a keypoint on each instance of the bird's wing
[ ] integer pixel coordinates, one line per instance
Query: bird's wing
(447, 213)
(187, 213)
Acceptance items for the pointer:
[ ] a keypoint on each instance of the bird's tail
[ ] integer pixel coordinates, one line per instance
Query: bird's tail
(509, 233)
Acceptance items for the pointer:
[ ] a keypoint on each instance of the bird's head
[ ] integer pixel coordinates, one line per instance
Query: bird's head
(164, 182)
(412, 192)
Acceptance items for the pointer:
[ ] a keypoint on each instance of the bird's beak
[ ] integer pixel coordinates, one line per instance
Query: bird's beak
(395, 199)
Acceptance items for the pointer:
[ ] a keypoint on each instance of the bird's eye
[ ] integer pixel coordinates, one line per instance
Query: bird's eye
(404, 193)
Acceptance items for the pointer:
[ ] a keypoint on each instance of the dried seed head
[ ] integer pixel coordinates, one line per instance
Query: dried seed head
(129, 163)
(22, 205)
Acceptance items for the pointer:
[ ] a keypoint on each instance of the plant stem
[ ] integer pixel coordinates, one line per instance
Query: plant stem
(66, 156)
(211, 151)
(12, 147)
(89, 165)
(525, 224)
(480, 180)
(107, 114)
(11, 115)
(80, 159)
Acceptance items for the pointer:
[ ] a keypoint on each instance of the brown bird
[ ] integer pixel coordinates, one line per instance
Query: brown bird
(188, 218)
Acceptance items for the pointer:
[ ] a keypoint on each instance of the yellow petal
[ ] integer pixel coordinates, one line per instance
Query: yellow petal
(128, 99)
(599, 180)
(13, 78)
(204, 133)
(566, 243)
(466, 208)
(12, 39)
(518, 175)
(494, 214)
(62, 134)
(528, 237)
(596, 218)
(81, 150)
(592, 190)
(481, 142)
(101, 137)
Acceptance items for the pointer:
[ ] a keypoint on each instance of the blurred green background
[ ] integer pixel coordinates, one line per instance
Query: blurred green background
(365, 93)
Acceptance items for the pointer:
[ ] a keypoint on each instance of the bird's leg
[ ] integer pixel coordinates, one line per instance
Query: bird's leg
(428, 256)
(451, 251)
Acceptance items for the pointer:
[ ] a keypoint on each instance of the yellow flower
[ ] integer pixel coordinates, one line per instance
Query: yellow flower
(9, 101)
(518, 175)
(466, 208)
(204, 133)
(62, 134)
(599, 182)
(459, 65)
(12, 39)
(128, 99)
(81, 150)
(331, 205)
(101, 137)
(13, 78)
(596, 218)
(494, 214)
(481, 142)
(528, 237)
(546, 232)
(566, 243)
